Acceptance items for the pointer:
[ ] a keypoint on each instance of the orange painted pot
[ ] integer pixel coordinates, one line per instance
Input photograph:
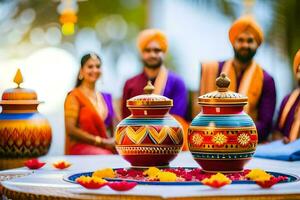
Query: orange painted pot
(24, 132)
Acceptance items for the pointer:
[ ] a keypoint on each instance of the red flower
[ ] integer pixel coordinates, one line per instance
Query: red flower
(196, 172)
(61, 164)
(216, 184)
(187, 177)
(216, 181)
(246, 171)
(34, 164)
(200, 177)
(122, 185)
(271, 182)
(122, 172)
(90, 182)
(92, 185)
(134, 173)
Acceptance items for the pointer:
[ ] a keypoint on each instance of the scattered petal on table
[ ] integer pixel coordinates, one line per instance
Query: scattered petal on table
(122, 185)
(61, 164)
(216, 181)
(104, 173)
(258, 175)
(166, 177)
(34, 164)
(269, 183)
(91, 182)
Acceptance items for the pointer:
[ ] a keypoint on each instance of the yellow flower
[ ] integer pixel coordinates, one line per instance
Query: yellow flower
(219, 177)
(243, 139)
(258, 175)
(98, 180)
(219, 139)
(152, 172)
(197, 139)
(88, 179)
(104, 173)
(166, 177)
(84, 179)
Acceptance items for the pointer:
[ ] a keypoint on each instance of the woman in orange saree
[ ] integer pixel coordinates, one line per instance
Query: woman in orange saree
(89, 113)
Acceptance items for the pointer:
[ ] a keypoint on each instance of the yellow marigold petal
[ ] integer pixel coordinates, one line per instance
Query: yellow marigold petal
(98, 180)
(152, 172)
(258, 174)
(217, 177)
(104, 173)
(84, 179)
(167, 177)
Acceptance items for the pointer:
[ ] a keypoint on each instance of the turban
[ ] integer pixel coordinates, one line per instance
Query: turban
(296, 61)
(149, 35)
(245, 23)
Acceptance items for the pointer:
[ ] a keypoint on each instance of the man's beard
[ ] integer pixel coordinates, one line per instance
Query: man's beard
(153, 65)
(244, 58)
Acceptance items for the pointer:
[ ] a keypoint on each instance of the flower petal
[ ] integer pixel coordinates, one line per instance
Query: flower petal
(122, 185)
(34, 164)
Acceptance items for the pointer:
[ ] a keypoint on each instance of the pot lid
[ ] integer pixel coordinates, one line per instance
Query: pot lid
(19, 95)
(148, 99)
(223, 96)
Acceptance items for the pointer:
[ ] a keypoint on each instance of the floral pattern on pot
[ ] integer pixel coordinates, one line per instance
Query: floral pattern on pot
(222, 137)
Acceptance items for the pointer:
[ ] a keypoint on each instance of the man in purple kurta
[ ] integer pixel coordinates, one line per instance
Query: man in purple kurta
(246, 76)
(288, 123)
(153, 46)
(266, 105)
(174, 89)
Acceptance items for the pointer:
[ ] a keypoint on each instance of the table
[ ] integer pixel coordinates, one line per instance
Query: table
(48, 183)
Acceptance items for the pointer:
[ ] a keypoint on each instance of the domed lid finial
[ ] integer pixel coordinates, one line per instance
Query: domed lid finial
(223, 96)
(18, 78)
(149, 88)
(222, 82)
(149, 99)
(19, 95)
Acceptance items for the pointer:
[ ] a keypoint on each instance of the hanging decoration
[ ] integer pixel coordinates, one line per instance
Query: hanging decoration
(68, 16)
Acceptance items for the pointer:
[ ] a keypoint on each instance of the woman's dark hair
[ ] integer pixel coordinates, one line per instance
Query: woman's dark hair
(84, 59)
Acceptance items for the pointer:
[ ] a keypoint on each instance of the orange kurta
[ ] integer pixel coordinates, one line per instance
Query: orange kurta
(251, 83)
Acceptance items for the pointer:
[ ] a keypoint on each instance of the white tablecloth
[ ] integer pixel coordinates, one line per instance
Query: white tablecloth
(50, 177)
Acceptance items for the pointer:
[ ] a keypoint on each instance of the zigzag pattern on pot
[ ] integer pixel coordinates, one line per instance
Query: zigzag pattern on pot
(158, 136)
(21, 139)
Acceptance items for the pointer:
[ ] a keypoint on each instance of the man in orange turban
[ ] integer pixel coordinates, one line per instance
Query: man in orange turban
(150, 35)
(296, 62)
(153, 46)
(246, 24)
(288, 123)
(246, 76)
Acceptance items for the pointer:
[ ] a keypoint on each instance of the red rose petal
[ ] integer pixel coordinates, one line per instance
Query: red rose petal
(34, 164)
(122, 185)
(122, 172)
(134, 173)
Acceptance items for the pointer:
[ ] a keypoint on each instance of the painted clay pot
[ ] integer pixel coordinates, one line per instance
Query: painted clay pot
(150, 136)
(24, 132)
(222, 137)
